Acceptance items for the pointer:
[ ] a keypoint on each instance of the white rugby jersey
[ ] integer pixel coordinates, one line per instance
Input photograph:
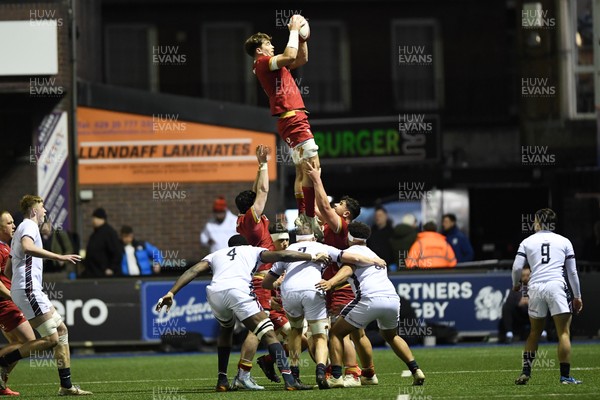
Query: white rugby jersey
(548, 255)
(372, 280)
(303, 275)
(27, 270)
(233, 267)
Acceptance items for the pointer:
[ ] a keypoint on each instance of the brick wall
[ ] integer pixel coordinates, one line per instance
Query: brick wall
(172, 225)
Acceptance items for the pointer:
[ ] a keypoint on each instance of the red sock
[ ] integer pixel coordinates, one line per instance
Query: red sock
(368, 372)
(309, 200)
(245, 365)
(300, 202)
(354, 370)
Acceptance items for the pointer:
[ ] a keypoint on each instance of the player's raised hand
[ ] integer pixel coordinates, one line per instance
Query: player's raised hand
(166, 300)
(310, 170)
(72, 258)
(323, 285)
(262, 152)
(296, 22)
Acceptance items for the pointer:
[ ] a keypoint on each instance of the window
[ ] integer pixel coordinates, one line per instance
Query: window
(578, 40)
(226, 68)
(128, 56)
(325, 81)
(417, 64)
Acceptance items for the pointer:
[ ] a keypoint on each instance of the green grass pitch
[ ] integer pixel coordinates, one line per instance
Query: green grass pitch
(462, 372)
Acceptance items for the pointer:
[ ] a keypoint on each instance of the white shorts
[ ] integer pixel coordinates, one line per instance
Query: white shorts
(227, 303)
(308, 303)
(548, 296)
(33, 303)
(384, 309)
(304, 151)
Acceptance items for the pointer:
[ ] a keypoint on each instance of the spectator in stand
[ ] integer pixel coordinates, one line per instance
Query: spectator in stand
(404, 235)
(57, 241)
(139, 257)
(381, 233)
(220, 228)
(430, 250)
(459, 241)
(104, 249)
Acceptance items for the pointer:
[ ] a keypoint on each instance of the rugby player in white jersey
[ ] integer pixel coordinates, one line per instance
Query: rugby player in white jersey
(375, 299)
(230, 294)
(300, 298)
(550, 257)
(27, 293)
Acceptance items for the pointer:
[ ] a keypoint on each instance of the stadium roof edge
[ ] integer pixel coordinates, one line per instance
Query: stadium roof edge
(191, 109)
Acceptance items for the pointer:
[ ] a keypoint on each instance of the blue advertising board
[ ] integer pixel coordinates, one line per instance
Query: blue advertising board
(190, 311)
(467, 302)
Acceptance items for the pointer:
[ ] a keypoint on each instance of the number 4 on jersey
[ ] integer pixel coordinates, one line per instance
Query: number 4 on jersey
(231, 253)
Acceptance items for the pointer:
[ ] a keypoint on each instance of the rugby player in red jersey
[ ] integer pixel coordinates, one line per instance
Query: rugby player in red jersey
(335, 232)
(285, 101)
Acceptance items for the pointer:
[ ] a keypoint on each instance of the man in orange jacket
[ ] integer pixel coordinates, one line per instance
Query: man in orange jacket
(430, 250)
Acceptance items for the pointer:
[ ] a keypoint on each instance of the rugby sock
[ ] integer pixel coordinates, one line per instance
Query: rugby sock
(368, 372)
(309, 200)
(10, 358)
(276, 351)
(336, 371)
(223, 358)
(528, 357)
(320, 369)
(295, 371)
(565, 369)
(300, 202)
(244, 367)
(65, 377)
(354, 370)
(412, 366)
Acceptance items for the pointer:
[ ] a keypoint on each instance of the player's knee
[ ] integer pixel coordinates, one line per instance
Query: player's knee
(263, 328)
(48, 329)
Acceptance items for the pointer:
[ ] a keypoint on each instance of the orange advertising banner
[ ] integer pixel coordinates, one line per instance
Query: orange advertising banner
(118, 148)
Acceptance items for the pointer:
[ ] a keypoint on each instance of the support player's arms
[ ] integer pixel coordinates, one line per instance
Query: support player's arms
(328, 214)
(184, 279)
(261, 183)
(341, 276)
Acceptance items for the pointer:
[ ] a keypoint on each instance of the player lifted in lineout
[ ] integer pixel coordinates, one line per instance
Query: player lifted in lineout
(285, 100)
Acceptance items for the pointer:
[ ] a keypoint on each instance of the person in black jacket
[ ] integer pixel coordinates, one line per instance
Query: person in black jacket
(381, 233)
(104, 249)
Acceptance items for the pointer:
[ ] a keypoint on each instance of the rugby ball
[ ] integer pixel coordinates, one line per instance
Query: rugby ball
(304, 32)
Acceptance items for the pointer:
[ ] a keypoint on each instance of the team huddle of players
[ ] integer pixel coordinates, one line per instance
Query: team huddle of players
(305, 298)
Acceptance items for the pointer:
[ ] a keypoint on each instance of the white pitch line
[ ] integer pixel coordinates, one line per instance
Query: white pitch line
(213, 378)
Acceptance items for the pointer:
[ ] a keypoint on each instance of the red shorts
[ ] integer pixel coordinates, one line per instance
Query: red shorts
(338, 299)
(278, 318)
(295, 129)
(10, 316)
